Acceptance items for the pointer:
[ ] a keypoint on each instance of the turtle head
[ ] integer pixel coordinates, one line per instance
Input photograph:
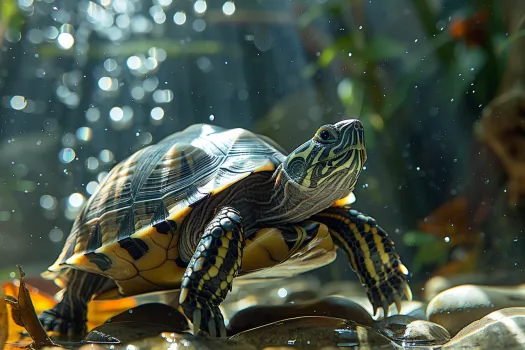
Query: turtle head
(327, 166)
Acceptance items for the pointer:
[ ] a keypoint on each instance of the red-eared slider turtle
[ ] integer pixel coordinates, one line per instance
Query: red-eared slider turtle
(207, 204)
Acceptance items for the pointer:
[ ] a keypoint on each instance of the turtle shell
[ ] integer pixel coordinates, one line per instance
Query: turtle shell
(128, 229)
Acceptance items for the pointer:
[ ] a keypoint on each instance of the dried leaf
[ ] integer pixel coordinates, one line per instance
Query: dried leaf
(41, 302)
(24, 314)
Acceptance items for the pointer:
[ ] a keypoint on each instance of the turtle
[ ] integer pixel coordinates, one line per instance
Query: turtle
(209, 205)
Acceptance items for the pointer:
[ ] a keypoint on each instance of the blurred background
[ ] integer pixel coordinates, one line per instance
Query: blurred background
(437, 83)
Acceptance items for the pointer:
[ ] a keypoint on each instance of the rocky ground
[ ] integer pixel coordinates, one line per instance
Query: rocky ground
(303, 314)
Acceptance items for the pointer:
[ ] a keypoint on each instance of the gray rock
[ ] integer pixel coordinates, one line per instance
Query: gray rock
(457, 307)
(187, 342)
(314, 332)
(124, 332)
(409, 331)
(334, 306)
(502, 329)
(438, 284)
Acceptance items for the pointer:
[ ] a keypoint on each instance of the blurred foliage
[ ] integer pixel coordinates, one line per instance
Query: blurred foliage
(10, 16)
(470, 45)
(430, 250)
(173, 48)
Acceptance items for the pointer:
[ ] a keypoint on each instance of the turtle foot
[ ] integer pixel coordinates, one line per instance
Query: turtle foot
(204, 316)
(389, 292)
(55, 321)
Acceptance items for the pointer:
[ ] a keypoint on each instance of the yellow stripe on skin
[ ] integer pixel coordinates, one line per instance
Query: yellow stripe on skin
(362, 243)
(385, 258)
(213, 271)
(346, 248)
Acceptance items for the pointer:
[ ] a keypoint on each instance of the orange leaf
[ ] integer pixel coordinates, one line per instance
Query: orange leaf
(4, 330)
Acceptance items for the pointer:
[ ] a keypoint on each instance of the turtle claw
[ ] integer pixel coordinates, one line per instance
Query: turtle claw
(196, 320)
(407, 291)
(397, 301)
(205, 316)
(53, 321)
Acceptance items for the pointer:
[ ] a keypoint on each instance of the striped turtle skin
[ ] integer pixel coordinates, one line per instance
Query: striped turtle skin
(207, 206)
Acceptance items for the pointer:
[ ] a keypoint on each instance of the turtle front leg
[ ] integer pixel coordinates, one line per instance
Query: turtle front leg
(211, 270)
(371, 253)
(69, 316)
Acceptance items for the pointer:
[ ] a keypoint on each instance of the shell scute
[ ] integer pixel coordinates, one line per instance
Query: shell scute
(131, 223)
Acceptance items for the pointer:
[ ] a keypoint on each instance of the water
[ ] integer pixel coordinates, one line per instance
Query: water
(437, 87)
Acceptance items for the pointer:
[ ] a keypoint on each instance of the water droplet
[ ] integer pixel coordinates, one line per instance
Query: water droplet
(228, 8)
(76, 200)
(179, 18)
(157, 113)
(66, 155)
(65, 41)
(84, 133)
(47, 202)
(282, 292)
(212, 117)
(106, 156)
(116, 114)
(134, 62)
(200, 6)
(91, 187)
(56, 235)
(18, 102)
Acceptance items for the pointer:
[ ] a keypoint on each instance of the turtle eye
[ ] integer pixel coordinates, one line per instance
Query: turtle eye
(324, 135)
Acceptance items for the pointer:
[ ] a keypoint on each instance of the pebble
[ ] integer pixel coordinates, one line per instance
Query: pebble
(314, 332)
(124, 332)
(438, 284)
(502, 329)
(170, 341)
(157, 313)
(457, 307)
(140, 322)
(409, 331)
(334, 306)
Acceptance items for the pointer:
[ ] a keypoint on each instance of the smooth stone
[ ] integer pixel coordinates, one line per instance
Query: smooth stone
(409, 331)
(314, 332)
(334, 306)
(297, 297)
(502, 329)
(438, 284)
(457, 307)
(125, 332)
(187, 342)
(155, 313)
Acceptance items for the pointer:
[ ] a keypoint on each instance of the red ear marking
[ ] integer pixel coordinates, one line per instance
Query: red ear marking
(277, 180)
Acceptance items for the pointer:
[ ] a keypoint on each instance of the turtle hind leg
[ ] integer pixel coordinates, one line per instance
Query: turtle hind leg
(211, 270)
(372, 256)
(69, 316)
